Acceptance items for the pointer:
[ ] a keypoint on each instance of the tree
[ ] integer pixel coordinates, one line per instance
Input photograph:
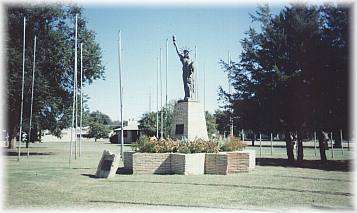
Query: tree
(53, 94)
(211, 124)
(147, 124)
(98, 130)
(97, 117)
(222, 121)
(288, 78)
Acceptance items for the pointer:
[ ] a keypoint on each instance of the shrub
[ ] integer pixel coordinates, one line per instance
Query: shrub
(152, 145)
(232, 144)
(198, 146)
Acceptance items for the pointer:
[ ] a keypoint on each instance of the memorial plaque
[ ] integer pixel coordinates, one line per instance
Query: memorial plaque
(179, 129)
(107, 166)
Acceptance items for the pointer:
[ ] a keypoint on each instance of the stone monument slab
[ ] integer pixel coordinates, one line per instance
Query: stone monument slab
(107, 166)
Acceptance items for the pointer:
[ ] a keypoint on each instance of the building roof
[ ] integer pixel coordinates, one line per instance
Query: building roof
(132, 125)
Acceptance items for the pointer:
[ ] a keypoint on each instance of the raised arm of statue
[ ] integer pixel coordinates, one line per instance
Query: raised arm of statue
(174, 41)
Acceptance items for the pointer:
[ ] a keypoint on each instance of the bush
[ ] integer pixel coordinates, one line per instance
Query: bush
(152, 145)
(232, 144)
(198, 146)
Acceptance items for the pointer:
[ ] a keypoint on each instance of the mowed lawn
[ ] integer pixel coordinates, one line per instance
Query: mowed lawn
(45, 180)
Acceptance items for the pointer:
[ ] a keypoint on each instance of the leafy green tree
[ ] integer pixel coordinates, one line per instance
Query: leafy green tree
(97, 117)
(289, 77)
(147, 124)
(222, 121)
(53, 93)
(211, 124)
(98, 130)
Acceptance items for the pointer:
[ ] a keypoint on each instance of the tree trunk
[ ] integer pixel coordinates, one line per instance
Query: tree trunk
(300, 149)
(254, 138)
(322, 137)
(12, 138)
(289, 147)
(337, 139)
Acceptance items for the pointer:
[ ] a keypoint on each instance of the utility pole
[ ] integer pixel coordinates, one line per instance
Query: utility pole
(121, 97)
(32, 87)
(22, 90)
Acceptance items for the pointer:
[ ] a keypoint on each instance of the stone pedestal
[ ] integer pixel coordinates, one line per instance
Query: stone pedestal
(189, 121)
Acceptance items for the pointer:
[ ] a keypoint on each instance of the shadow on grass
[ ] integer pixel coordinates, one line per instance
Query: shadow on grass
(90, 175)
(124, 171)
(158, 204)
(15, 153)
(313, 178)
(330, 165)
(242, 186)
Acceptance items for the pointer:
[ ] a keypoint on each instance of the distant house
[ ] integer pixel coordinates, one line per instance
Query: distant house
(131, 133)
(65, 135)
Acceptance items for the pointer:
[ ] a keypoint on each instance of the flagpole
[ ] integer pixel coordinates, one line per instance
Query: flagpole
(230, 93)
(196, 80)
(81, 109)
(32, 87)
(157, 99)
(204, 87)
(161, 114)
(74, 91)
(22, 90)
(121, 98)
(166, 69)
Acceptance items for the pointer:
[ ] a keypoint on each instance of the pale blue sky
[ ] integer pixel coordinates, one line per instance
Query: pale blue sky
(214, 31)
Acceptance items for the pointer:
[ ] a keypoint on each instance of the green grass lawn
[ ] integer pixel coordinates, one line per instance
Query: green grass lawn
(45, 180)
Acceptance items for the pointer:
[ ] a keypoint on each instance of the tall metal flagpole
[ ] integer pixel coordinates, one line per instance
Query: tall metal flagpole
(74, 92)
(121, 98)
(166, 69)
(157, 99)
(204, 87)
(196, 80)
(32, 87)
(81, 109)
(22, 90)
(230, 92)
(161, 114)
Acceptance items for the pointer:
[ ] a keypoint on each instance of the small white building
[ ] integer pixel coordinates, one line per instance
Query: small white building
(131, 132)
(65, 135)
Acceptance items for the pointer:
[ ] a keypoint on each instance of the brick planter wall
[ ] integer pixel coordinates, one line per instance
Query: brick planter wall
(224, 163)
(151, 163)
(216, 163)
(128, 161)
(188, 164)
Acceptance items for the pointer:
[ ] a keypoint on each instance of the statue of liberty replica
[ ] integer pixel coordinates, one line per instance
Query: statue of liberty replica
(189, 118)
(188, 72)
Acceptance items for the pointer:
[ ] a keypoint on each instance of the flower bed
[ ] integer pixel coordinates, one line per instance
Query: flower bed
(169, 156)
